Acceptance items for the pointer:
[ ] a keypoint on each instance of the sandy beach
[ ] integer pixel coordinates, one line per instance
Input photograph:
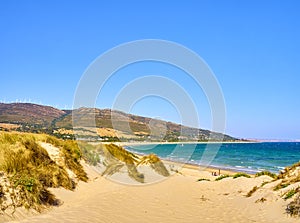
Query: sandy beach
(178, 198)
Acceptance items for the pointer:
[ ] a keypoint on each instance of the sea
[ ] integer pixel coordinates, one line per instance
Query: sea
(241, 157)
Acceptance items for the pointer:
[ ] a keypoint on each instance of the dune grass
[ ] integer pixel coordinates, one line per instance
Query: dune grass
(155, 163)
(72, 154)
(117, 154)
(290, 194)
(237, 175)
(90, 153)
(116, 157)
(267, 173)
(31, 171)
(293, 208)
(252, 191)
(222, 177)
(203, 179)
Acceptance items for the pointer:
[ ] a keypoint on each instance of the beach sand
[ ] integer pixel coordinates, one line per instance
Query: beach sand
(178, 198)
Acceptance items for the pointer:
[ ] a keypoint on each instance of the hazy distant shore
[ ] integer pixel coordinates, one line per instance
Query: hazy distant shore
(172, 143)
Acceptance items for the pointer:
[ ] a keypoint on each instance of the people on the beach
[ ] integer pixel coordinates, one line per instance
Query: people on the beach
(215, 173)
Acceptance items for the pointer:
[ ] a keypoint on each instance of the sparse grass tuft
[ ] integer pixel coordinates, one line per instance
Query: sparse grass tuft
(264, 183)
(155, 163)
(121, 154)
(203, 179)
(117, 154)
(72, 154)
(281, 186)
(237, 175)
(261, 200)
(293, 208)
(90, 153)
(249, 194)
(267, 173)
(222, 177)
(290, 194)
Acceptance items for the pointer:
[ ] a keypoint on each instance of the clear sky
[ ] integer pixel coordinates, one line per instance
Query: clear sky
(251, 46)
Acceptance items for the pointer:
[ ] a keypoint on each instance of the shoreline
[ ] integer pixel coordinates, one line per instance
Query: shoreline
(174, 143)
(230, 169)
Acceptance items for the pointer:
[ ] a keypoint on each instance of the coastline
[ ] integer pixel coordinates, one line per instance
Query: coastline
(231, 169)
(174, 143)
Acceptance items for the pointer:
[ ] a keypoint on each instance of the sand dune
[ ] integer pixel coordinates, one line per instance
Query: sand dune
(179, 198)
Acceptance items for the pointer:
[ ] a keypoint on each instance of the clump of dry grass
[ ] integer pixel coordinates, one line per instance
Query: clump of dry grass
(291, 173)
(72, 155)
(267, 173)
(117, 155)
(291, 193)
(203, 179)
(293, 208)
(288, 176)
(222, 177)
(121, 154)
(261, 200)
(31, 171)
(112, 168)
(252, 191)
(237, 175)
(90, 153)
(155, 163)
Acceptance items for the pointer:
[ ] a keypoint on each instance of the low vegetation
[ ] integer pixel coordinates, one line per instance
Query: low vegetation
(222, 177)
(237, 175)
(293, 208)
(290, 193)
(281, 186)
(249, 194)
(203, 179)
(72, 154)
(266, 173)
(155, 163)
(29, 171)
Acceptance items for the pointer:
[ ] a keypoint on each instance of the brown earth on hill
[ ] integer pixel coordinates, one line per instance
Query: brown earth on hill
(100, 124)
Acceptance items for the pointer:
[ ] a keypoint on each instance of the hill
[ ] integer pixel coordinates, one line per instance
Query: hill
(20, 113)
(92, 123)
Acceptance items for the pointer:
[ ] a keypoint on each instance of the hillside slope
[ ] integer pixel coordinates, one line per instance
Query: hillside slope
(28, 113)
(92, 123)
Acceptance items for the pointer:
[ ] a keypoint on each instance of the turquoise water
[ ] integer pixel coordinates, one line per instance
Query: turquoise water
(247, 157)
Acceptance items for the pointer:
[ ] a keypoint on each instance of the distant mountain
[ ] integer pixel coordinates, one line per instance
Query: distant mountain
(90, 123)
(26, 113)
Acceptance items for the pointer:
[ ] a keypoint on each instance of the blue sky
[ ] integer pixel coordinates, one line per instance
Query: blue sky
(251, 46)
